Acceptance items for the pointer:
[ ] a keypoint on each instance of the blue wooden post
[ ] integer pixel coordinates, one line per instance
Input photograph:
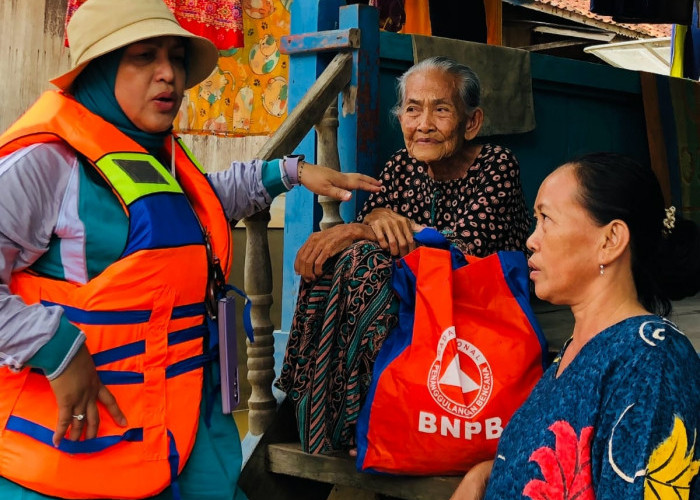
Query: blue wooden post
(301, 210)
(357, 129)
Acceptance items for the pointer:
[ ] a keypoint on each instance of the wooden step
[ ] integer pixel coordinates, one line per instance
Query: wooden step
(339, 469)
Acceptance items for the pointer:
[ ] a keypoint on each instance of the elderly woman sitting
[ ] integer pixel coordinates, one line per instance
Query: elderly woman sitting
(471, 192)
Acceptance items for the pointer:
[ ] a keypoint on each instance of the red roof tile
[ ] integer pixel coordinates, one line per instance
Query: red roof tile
(582, 7)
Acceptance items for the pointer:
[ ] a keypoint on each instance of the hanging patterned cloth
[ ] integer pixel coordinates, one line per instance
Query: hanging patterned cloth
(221, 21)
(247, 94)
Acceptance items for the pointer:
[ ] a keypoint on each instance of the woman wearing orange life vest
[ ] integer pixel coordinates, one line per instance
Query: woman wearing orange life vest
(108, 231)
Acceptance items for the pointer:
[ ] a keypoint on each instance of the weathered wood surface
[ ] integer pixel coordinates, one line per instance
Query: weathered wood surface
(348, 493)
(310, 109)
(262, 404)
(31, 53)
(557, 322)
(259, 483)
(321, 41)
(686, 315)
(327, 139)
(339, 469)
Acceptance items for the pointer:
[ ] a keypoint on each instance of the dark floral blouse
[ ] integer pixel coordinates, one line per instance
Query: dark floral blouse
(483, 212)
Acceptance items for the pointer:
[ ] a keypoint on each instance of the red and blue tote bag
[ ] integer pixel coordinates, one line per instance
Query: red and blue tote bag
(465, 355)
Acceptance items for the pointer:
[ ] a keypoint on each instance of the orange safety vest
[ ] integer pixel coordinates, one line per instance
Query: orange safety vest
(144, 318)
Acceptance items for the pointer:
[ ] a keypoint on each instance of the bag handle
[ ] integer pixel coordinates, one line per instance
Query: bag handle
(431, 237)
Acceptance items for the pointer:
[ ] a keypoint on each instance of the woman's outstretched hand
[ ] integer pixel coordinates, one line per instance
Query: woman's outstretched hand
(78, 390)
(328, 182)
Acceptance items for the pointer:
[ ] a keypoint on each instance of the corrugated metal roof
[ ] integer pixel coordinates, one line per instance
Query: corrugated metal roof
(582, 8)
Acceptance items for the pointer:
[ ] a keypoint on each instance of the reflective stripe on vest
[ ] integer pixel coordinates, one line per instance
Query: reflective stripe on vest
(143, 317)
(134, 175)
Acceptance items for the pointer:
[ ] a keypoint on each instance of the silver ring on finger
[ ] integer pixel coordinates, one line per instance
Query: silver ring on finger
(79, 416)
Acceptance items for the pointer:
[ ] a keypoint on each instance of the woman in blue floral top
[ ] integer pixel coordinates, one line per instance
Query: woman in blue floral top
(617, 415)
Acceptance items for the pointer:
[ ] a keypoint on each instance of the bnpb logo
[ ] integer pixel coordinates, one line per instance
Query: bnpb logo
(460, 378)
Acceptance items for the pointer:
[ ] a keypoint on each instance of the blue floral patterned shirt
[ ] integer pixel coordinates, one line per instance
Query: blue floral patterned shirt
(621, 422)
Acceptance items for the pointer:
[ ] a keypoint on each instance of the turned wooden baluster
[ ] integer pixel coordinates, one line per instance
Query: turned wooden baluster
(312, 110)
(327, 144)
(262, 404)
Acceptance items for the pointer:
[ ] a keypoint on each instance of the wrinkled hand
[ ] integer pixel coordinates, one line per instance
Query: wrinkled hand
(323, 245)
(78, 390)
(328, 182)
(394, 232)
(473, 485)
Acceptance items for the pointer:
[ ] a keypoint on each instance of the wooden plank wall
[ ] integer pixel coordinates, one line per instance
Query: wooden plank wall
(31, 52)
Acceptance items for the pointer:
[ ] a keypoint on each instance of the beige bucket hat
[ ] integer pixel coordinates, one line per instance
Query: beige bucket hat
(101, 26)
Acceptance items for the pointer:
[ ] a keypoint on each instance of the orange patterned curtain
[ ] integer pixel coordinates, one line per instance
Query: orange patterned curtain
(247, 93)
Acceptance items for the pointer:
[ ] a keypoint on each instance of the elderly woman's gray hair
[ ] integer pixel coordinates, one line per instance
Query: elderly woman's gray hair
(469, 87)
